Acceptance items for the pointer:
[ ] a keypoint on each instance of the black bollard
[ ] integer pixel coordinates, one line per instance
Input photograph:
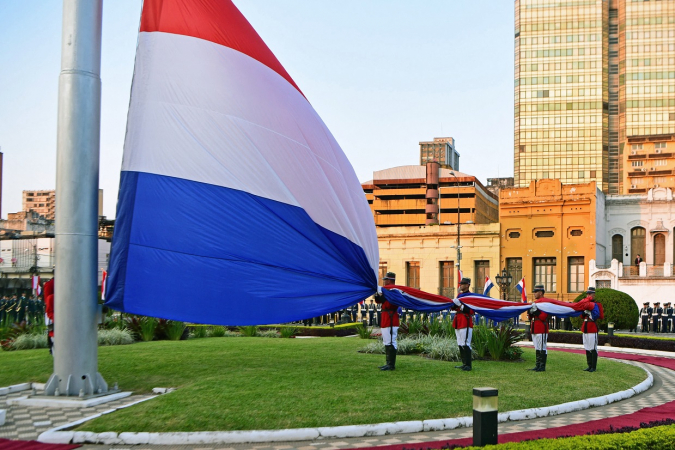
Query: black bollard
(484, 416)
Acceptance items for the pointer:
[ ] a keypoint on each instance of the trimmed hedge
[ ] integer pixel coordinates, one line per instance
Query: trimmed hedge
(618, 307)
(617, 341)
(657, 438)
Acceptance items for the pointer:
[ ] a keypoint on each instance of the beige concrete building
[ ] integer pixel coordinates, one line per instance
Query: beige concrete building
(441, 150)
(649, 163)
(42, 202)
(425, 257)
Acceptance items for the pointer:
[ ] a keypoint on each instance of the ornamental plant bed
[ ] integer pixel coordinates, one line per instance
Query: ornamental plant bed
(616, 341)
(336, 331)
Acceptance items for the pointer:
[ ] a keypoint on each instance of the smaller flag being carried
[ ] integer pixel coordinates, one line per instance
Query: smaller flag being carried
(37, 290)
(488, 285)
(521, 288)
(460, 275)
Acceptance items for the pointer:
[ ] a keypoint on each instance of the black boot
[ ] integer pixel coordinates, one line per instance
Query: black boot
(391, 365)
(467, 360)
(462, 357)
(387, 353)
(537, 363)
(594, 360)
(542, 363)
(589, 361)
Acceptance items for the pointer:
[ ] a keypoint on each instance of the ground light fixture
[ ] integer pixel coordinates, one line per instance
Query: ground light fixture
(484, 416)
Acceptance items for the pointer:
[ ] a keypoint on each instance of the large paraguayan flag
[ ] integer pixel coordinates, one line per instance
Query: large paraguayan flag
(236, 204)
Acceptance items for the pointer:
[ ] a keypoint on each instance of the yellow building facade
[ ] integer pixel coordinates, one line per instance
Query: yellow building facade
(425, 257)
(549, 233)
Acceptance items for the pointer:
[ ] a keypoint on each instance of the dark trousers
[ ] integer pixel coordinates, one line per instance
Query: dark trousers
(645, 324)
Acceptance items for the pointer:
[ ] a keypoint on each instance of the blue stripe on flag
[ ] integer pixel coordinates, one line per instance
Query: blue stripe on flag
(200, 253)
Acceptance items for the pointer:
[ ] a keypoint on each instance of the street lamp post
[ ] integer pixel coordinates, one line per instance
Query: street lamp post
(504, 281)
(459, 247)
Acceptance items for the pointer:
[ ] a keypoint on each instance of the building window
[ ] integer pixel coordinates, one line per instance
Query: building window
(514, 235)
(636, 147)
(660, 162)
(637, 163)
(447, 279)
(637, 243)
(514, 267)
(576, 272)
(660, 145)
(481, 270)
(576, 233)
(412, 274)
(544, 234)
(383, 272)
(544, 273)
(617, 247)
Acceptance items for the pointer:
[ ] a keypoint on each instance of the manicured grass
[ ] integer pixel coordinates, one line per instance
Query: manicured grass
(258, 383)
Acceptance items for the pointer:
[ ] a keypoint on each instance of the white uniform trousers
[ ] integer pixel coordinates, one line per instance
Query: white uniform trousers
(464, 336)
(590, 341)
(539, 341)
(389, 336)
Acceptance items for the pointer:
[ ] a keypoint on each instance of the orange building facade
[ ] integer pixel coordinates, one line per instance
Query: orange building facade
(549, 233)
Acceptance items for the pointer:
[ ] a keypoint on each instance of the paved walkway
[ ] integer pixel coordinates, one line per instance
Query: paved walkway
(28, 423)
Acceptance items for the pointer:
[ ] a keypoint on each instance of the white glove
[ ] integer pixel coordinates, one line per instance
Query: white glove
(533, 309)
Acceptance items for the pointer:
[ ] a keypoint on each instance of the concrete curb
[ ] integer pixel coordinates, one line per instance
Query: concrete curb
(56, 436)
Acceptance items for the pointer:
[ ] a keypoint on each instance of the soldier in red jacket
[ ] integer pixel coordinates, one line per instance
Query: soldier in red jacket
(590, 330)
(539, 330)
(49, 313)
(389, 325)
(463, 325)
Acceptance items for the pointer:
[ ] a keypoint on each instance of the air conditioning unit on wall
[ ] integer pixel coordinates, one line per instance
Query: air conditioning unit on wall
(656, 185)
(658, 150)
(633, 186)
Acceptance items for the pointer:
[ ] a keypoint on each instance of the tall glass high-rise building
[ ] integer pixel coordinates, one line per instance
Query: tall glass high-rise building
(590, 77)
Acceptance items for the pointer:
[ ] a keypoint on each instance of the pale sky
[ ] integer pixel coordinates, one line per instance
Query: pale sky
(382, 74)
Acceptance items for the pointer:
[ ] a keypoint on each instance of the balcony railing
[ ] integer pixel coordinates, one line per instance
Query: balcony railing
(654, 270)
(631, 271)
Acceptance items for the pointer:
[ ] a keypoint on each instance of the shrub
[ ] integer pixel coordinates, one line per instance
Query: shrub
(479, 341)
(435, 327)
(115, 336)
(658, 438)
(268, 333)
(288, 332)
(230, 333)
(617, 306)
(147, 328)
(617, 341)
(249, 331)
(174, 330)
(199, 331)
(364, 332)
(29, 341)
(217, 331)
(435, 347)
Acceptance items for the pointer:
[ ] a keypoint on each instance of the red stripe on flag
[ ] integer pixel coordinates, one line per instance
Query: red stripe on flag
(217, 21)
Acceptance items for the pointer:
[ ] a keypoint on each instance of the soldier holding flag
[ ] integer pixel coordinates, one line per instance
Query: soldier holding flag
(463, 325)
(539, 330)
(389, 325)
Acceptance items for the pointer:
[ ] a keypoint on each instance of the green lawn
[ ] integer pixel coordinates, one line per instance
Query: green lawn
(258, 383)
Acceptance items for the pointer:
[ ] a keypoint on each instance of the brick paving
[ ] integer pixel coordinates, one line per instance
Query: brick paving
(28, 422)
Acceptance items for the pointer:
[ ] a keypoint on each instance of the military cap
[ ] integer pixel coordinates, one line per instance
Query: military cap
(539, 288)
(645, 303)
(465, 281)
(390, 276)
(590, 290)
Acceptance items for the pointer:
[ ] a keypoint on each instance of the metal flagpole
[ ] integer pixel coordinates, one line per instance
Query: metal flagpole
(77, 166)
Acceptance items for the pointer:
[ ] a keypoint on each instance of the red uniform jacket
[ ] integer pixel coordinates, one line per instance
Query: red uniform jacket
(589, 326)
(48, 295)
(463, 320)
(389, 314)
(539, 324)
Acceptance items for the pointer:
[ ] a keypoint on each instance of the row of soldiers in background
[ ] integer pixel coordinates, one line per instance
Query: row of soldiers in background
(17, 309)
(657, 319)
